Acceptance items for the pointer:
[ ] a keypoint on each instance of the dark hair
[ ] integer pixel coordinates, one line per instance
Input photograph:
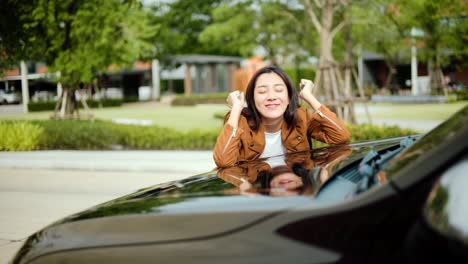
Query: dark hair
(251, 112)
(264, 178)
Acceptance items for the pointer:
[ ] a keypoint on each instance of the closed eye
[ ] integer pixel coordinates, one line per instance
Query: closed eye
(279, 88)
(261, 90)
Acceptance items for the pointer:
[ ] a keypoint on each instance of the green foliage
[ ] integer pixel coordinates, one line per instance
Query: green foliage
(219, 115)
(372, 132)
(232, 28)
(461, 95)
(180, 23)
(20, 136)
(369, 132)
(279, 28)
(77, 38)
(68, 134)
(100, 135)
(444, 25)
(14, 43)
(50, 105)
(218, 98)
(296, 74)
(389, 29)
(41, 106)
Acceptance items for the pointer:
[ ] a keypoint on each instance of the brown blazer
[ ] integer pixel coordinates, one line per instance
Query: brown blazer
(233, 146)
(248, 172)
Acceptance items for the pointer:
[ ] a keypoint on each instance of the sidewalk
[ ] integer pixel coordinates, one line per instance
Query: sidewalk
(40, 187)
(187, 162)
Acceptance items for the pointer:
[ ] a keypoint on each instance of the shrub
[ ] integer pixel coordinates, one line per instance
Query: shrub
(296, 74)
(50, 105)
(20, 136)
(217, 98)
(369, 132)
(219, 115)
(462, 95)
(41, 106)
(103, 135)
(75, 134)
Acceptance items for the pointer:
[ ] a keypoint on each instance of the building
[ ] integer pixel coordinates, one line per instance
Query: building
(187, 74)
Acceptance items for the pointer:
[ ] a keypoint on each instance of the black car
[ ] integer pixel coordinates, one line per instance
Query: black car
(383, 201)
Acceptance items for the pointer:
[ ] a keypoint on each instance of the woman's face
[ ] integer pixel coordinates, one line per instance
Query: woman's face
(287, 180)
(271, 96)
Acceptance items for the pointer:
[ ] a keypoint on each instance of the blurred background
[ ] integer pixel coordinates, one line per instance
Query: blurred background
(78, 77)
(129, 74)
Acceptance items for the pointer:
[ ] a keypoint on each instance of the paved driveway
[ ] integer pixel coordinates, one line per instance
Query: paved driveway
(37, 188)
(12, 109)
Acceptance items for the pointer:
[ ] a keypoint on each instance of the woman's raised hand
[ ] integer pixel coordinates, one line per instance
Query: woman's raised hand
(236, 100)
(307, 86)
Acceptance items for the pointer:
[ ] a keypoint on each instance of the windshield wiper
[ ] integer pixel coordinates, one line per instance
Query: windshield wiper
(374, 162)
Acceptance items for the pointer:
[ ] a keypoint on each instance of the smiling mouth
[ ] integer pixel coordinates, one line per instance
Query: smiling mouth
(283, 182)
(272, 105)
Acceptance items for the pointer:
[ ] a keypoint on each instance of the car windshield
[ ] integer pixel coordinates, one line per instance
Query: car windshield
(307, 173)
(298, 173)
(339, 172)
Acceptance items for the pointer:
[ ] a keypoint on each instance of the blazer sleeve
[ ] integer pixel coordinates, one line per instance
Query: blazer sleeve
(325, 126)
(227, 149)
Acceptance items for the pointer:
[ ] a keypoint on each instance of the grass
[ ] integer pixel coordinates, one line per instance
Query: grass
(201, 117)
(182, 118)
(413, 111)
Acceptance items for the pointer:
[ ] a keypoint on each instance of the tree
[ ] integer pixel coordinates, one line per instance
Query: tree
(81, 38)
(328, 78)
(232, 28)
(14, 41)
(276, 27)
(180, 23)
(445, 28)
(384, 29)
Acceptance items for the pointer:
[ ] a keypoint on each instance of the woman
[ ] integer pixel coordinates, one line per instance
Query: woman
(273, 123)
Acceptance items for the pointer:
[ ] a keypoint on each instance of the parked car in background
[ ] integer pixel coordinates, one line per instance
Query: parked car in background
(8, 97)
(398, 200)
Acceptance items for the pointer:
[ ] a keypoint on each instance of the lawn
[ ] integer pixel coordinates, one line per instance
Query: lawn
(411, 111)
(185, 118)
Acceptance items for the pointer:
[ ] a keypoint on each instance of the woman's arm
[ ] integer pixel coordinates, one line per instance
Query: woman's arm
(226, 150)
(307, 87)
(324, 124)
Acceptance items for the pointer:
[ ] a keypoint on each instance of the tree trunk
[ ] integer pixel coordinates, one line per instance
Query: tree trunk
(67, 105)
(328, 79)
(437, 80)
(349, 65)
(392, 71)
(328, 72)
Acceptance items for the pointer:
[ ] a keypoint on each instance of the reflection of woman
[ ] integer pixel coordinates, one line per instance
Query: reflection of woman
(299, 174)
(285, 181)
(273, 123)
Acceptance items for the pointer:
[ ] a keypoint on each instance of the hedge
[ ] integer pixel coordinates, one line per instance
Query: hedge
(462, 95)
(50, 105)
(103, 135)
(20, 135)
(296, 74)
(190, 100)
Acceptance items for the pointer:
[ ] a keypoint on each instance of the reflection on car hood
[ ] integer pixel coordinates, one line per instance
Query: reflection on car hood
(176, 196)
(151, 215)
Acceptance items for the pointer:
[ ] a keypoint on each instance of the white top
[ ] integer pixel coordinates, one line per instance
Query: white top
(274, 147)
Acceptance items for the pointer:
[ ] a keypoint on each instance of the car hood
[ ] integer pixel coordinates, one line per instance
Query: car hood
(209, 188)
(153, 215)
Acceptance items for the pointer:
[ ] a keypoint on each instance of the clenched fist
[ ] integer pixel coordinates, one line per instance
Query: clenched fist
(236, 100)
(307, 86)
